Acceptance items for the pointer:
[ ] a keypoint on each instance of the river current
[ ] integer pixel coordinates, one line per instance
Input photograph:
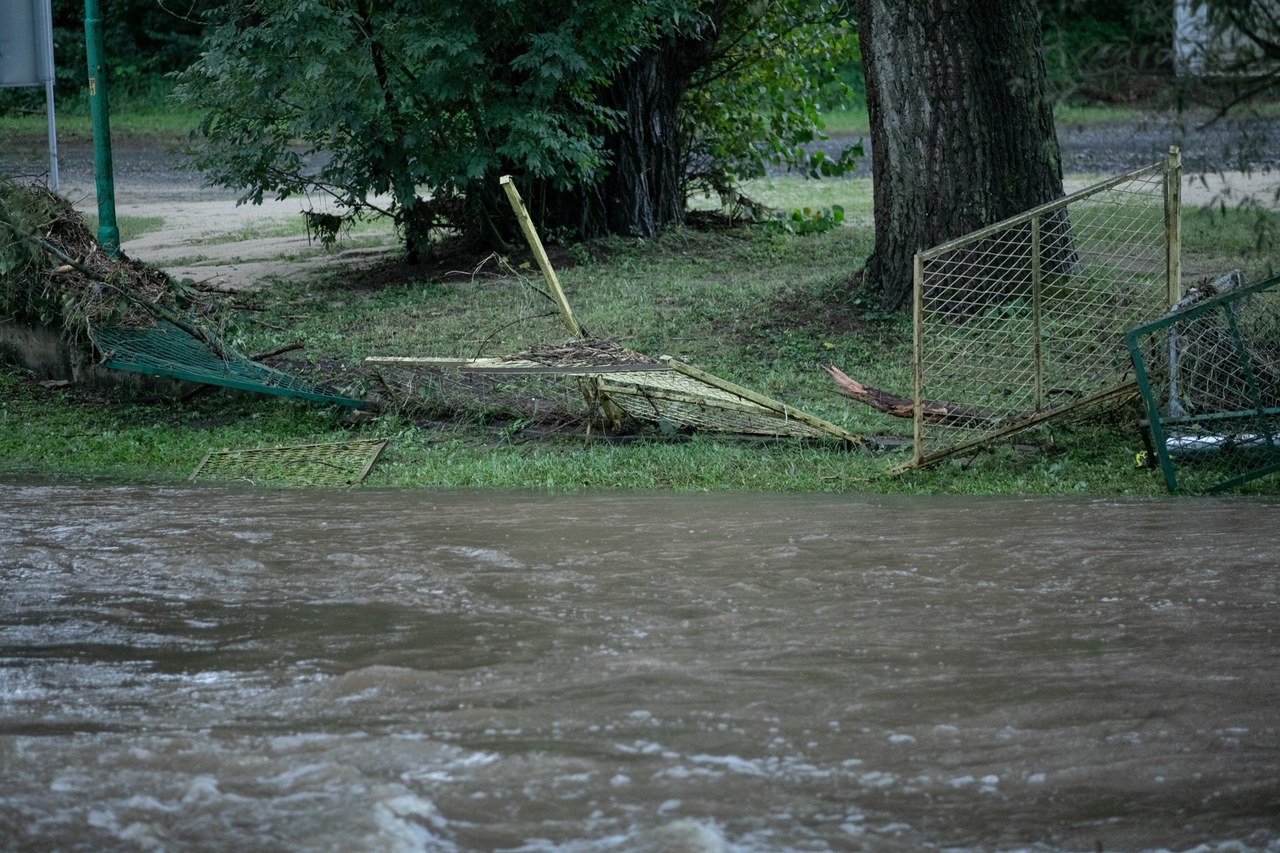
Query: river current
(220, 669)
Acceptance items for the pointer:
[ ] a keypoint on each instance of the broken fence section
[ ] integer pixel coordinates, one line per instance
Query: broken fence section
(343, 463)
(165, 349)
(1209, 373)
(1024, 320)
(666, 391)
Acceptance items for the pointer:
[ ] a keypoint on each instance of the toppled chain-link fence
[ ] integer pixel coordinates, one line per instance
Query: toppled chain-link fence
(1210, 378)
(1025, 319)
(165, 349)
(595, 381)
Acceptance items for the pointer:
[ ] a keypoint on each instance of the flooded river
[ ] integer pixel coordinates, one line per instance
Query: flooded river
(210, 669)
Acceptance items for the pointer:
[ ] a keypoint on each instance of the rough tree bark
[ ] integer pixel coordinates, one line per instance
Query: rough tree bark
(643, 189)
(962, 131)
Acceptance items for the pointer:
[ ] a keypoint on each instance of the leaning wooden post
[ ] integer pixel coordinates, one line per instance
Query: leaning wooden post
(1173, 223)
(531, 235)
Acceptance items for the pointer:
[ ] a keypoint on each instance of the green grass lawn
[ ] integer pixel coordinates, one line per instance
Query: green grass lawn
(754, 304)
(759, 306)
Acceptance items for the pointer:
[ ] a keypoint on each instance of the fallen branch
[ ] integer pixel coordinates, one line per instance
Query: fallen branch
(946, 414)
(262, 356)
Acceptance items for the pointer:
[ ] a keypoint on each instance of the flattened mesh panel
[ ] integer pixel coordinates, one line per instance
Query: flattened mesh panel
(1028, 316)
(683, 400)
(1210, 378)
(345, 463)
(167, 350)
(648, 391)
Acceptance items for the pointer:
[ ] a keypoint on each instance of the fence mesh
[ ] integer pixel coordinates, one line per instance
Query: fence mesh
(164, 349)
(1210, 377)
(575, 392)
(344, 463)
(1025, 319)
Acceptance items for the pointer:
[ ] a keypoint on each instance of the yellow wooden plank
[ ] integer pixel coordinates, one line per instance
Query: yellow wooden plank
(535, 243)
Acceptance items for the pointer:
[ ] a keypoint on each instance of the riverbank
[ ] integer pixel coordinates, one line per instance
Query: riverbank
(758, 306)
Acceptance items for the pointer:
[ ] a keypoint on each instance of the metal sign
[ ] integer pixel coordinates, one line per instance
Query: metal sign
(26, 58)
(26, 42)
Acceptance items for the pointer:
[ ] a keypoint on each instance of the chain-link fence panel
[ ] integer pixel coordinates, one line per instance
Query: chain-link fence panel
(1209, 373)
(1025, 319)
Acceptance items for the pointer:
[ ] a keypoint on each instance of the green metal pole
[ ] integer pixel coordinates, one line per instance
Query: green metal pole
(108, 233)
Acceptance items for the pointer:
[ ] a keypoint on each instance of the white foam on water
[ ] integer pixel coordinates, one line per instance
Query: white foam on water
(686, 835)
(488, 557)
(406, 823)
(732, 763)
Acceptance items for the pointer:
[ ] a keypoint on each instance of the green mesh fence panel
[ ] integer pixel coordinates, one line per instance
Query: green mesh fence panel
(1209, 373)
(168, 350)
(344, 463)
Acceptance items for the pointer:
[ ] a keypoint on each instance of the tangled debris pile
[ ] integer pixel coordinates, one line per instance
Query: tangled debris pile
(130, 316)
(56, 274)
(583, 352)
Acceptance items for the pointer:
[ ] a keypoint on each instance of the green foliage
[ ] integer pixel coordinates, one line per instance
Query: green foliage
(371, 103)
(807, 220)
(1100, 51)
(761, 102)
(1094, 50)
(142, 39)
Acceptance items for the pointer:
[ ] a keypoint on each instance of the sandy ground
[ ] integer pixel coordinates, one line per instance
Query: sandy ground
(208, 237)
(205, 241)
(199, 238)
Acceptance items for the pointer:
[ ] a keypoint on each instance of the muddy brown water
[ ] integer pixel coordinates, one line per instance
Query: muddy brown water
(216, 669)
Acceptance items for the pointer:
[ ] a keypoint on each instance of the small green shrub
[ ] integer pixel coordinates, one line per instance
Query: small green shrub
(807, 220)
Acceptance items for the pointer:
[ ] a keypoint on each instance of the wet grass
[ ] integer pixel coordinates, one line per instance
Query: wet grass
(62, 434)
(756, 305)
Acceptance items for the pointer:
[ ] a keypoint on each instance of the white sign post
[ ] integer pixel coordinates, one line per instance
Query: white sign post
(26, 58)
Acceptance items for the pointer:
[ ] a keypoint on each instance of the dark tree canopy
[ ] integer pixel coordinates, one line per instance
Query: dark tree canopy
(598, 108)
(962, 131)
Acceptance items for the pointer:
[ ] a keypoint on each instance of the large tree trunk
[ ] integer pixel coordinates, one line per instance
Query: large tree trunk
(642, 190)
(962, 131)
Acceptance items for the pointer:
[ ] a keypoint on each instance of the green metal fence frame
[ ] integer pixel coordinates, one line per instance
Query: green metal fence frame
(1157, 424)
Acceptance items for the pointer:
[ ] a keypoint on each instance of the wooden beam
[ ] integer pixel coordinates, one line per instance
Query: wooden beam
(540, 254)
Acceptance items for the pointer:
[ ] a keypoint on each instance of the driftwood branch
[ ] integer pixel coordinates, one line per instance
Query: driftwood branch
(934, 412)
(262, 356)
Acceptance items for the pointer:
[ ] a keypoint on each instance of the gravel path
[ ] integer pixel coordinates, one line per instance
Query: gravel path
(154, 171)
(1233, 144)
(1234, 158)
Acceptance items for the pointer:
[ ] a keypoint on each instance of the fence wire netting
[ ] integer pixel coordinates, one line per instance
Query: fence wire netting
(619, 396)
(1026, 318)
(1210, 377)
